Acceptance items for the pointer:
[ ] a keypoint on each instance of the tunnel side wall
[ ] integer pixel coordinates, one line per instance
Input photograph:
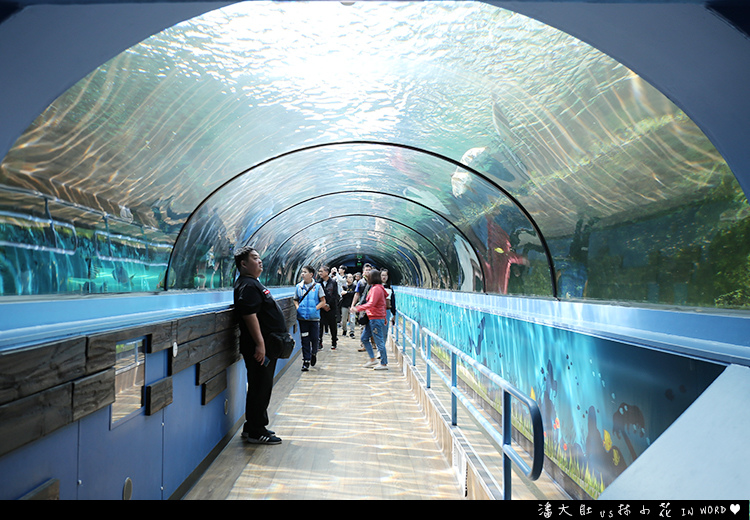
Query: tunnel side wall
(58, 438)
(604, 397)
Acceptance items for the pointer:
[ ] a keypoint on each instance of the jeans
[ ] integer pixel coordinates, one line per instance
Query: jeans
(309, 332)
(347, 325)
(378, 330)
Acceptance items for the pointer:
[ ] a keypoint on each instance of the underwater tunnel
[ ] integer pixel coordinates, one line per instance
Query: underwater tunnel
(559, 186)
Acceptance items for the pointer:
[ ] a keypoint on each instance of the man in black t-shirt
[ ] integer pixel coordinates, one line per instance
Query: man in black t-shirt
(329, 313)
(258, 314)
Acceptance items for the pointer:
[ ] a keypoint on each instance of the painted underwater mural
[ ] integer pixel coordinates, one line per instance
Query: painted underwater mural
(603, 402)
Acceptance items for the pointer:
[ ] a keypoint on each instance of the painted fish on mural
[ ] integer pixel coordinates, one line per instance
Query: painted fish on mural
(480, 339)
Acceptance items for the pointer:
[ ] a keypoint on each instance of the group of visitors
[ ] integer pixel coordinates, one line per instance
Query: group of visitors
(337, 298)
(334, 298)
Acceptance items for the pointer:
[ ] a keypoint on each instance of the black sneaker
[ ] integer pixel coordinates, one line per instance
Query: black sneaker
(313, 360)
(262, 439)
(305, 366)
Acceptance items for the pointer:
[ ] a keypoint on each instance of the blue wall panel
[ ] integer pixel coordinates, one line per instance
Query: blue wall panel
(52, 457)
(107, 456)
(235, 392)
(192, 429)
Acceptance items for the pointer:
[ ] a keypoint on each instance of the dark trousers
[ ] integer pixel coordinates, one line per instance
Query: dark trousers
(259, 386)
(329, 318)
(309, 332)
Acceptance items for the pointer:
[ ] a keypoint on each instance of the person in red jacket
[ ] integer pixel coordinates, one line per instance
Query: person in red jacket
(375, 308)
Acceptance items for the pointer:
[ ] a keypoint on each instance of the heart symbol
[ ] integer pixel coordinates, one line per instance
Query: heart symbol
(734, 508)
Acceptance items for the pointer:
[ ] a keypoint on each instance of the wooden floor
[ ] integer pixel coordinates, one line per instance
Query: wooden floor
(348, 433)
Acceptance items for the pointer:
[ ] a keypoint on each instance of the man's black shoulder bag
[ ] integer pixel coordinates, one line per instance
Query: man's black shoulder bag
(281, 344)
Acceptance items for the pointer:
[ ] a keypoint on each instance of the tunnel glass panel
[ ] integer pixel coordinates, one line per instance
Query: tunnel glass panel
(633, 201)
(470, 232)
(410, 254)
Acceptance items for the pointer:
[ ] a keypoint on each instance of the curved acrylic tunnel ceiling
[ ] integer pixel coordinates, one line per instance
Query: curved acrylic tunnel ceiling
(433, 198)
(338, 232)
(631, 200)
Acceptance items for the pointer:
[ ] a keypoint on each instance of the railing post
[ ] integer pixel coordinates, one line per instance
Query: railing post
(454, 384)
(415, 346)
(506, 442)
(403, 333)
(395, 328)
(429, 351)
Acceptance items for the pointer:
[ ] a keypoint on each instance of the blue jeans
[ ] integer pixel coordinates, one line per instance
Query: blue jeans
(309, 332)
(378, 330)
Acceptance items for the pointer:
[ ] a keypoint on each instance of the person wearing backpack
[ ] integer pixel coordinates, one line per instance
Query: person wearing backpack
(360, 295)
(309, 298)
(390, 298)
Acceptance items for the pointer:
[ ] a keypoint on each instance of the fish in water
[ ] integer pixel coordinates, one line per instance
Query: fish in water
(121, 275)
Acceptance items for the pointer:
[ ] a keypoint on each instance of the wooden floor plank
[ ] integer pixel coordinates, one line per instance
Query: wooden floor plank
(348, 433)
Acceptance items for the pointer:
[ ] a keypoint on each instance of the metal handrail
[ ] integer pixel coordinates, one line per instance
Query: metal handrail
(510, 455)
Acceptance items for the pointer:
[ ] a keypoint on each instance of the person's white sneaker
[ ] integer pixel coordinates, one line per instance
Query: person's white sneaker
(370, 364)
(380, 367)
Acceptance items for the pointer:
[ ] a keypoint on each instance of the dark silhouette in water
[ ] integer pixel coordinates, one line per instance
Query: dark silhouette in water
(547, 406)
(121, 275)
(596, 455)
(480, 339)
(626, 417)
(172, 222)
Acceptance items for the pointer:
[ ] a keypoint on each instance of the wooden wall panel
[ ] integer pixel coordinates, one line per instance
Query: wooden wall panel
(214, 387)
(192, 352)
(26, 371)
(100, 351)
(158, 395)
(159, 336)
(225, 320)
(33, 417)
(195, 327)
(93, 393)
(50, 490)
(162, 337)
(216, 364)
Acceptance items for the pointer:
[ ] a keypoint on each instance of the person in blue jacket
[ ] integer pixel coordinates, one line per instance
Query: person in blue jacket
(309, 298)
